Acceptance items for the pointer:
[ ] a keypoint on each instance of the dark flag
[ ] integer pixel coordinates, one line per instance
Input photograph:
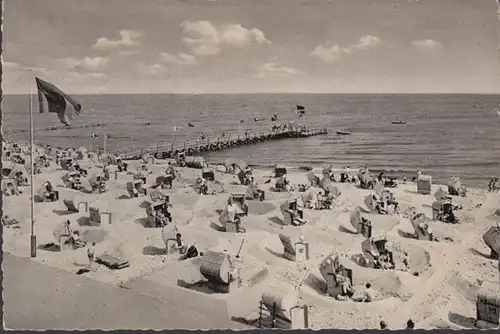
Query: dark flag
(299, 107)
(190, 125)
(52, 99)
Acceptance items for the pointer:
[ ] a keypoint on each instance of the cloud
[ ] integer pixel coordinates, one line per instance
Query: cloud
(87, 63)
(273, 69)
(330, 52)
(179, 59)
(127, 53)
(127, 38)
(427, 44)
(78, 76)
(205, 39)
(10, 65)
(147, 69)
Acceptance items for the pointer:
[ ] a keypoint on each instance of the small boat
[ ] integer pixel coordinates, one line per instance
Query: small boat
(498, 112)
(398, 122)
(344, 132)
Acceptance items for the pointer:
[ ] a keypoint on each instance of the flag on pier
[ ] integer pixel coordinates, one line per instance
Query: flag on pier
(300, 111)
(52, 99)
(190, 125)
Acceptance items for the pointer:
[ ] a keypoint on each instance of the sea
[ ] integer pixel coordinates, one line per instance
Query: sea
(444, 135)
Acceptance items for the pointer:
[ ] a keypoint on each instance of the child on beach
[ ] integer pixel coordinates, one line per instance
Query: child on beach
(91, 253)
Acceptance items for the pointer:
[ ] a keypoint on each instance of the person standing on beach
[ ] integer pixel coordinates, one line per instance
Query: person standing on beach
(91, 253)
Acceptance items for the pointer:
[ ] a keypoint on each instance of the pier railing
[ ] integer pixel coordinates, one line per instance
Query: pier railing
(217, 143)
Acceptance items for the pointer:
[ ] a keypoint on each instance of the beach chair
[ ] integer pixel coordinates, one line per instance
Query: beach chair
(492, 239)
(375, 253)
(296, 251)
(488, 306)
(97, 216)
(67, 164)
(97, 184)
(313, 179)
(208, 174)
(455, 187)
(292, 212)
(122, 166)
(135, 188)
(9, 188)
(18, 159)
(361, 225)
(279, 170)
(72, 180)
(180, 159)
(62, 235)
(238, 201)
(421, 228)
(220, 272)
(254, 192)
(231, 217)
(443, 211)
(424, 184)
(335, 274)
(244, 176)
(158, 213)
(45, 193)
(200, 186)
(70, 205)
(164, 182)
(366, 180)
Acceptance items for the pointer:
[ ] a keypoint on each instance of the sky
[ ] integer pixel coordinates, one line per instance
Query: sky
(252, 46)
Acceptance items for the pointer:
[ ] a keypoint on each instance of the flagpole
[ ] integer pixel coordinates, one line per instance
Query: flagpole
(105, 137)
(33, 236)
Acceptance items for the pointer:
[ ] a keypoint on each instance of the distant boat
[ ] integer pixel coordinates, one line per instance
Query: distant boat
(498, 112)
(147, 123)
(398, 122)
(344, 132)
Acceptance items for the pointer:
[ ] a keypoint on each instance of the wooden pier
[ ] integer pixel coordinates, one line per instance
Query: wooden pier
(191, 147)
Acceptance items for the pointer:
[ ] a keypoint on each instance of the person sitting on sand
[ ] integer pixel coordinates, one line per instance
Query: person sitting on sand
(75, 240)
(192, 251)
(381, 208)
(383, 324)
(395, 204)
(180, 243)
(410, 324)
(369, 294)
(381, 177)
(406, 262)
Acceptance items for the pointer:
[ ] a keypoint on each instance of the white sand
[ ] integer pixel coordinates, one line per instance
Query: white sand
(448, 271)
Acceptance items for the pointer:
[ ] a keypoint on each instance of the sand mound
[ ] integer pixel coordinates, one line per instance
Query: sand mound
(93, 235)
(391, 284)
(260, 208)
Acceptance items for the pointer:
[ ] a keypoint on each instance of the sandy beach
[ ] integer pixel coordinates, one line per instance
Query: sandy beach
(438, 289)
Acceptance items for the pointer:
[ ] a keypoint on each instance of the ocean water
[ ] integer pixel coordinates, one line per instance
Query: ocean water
(445, 135)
